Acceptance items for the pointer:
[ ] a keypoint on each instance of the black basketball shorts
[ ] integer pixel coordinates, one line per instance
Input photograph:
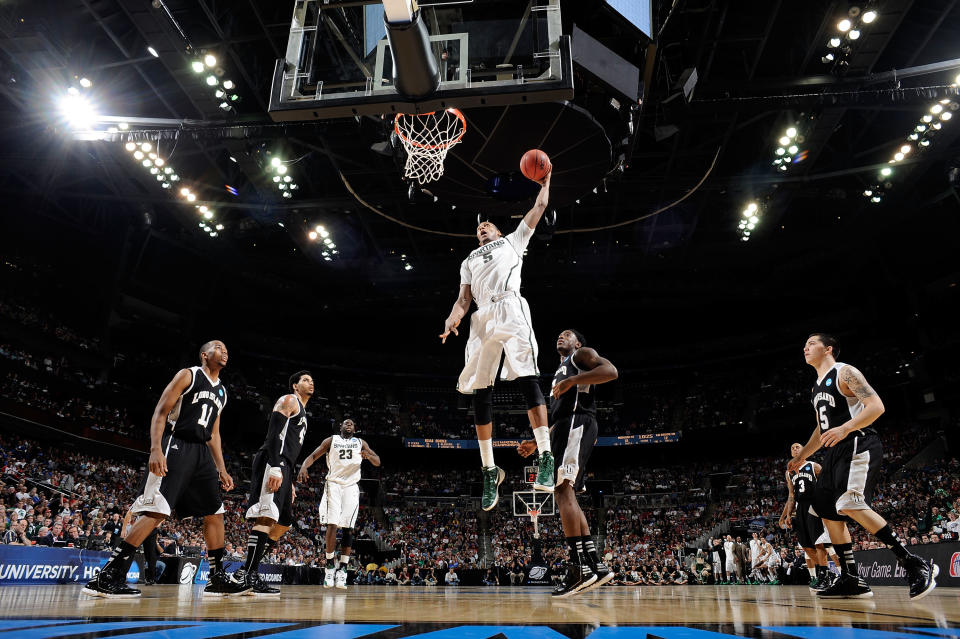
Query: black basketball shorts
(191, 485)
(849, 475)
(277, 505)
(572, 442)
(809, 527)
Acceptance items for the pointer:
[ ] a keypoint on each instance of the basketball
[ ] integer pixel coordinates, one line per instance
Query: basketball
(535, 164)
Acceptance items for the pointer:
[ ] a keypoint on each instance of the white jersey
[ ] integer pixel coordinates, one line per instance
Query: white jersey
(343, 460)
(494, 268)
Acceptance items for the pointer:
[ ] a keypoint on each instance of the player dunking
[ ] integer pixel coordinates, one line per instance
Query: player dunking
(271, 484)
(501, 325)
(573, 430)
(186, 465)
(341, 495)
(846, 408)
(801, 486)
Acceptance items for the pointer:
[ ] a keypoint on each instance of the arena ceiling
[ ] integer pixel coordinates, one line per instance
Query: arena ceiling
(762, 69)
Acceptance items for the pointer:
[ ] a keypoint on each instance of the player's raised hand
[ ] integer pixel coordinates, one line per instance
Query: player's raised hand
(561, 387)
(527, 447)
(226, 481)
(449, 326)
(158, 463)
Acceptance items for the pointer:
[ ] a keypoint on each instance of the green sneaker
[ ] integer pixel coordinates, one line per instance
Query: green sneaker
(492, 478)
(545, 479)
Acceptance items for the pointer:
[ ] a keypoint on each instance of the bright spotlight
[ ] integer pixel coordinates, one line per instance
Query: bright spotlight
(844, 25)
(946, 115)
(854, 34)
(780, 150)
(287, 194)
(145, 147)
(281, 169)
(869, 17)
(294, 187)
(191, 197)
(752, 207)
(885, 171)
(282, 186)
(754, 219)
(197, 66)
(868, 193)
(898, 156)
(751, 226)
(924, 143)
(287, 178)
(212, 80)
(184, 191)
(783, 167)
(275, 161)
(921, 128)
(912, 136)
(224, 105)
(159, 161)
(407, 267)
(210, 60)
(219, 227)
(78, 111)
(784, 141)
(927, 118)
(138, 155)
(827, 58)
(154, 170)
(228, 84)
(276, 178)
(792, 132)
(147, 162)
(168, 170)
(324, 233)
(153, 52)
(123, 126)
(312, 235)
(906, 148)
(174, 177)
(875, 199)
(86, 83)
(208, 215)
(130, 146)
(203, 208)
(834, 43)
(165, 185)
(793, 149)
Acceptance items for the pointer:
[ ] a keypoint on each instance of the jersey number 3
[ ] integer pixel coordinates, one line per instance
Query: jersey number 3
(346, 453)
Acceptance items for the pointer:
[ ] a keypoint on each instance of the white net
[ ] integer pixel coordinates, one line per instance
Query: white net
(427, 137)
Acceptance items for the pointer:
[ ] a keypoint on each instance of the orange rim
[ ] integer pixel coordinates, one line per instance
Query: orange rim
(456, 112)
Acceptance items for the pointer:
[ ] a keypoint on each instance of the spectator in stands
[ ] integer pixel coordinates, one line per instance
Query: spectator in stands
(430, 579)
(16, 535)
(390, 579)
(44, 538)
(404, 578)
(490, 579)
(113, 529)
(416, 579)
(451, 578)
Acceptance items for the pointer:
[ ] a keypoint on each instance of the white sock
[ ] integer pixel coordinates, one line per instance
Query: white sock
(330, 555)
(344, 559)
(542, 435)
(486, 452)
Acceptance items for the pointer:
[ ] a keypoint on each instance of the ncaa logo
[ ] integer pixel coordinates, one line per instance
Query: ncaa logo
(187, 573)
(955, 565)
(538, 572)
(829, 382)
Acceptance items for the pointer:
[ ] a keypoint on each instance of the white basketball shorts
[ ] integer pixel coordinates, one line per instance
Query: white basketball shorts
(340, 505)
(502, 326)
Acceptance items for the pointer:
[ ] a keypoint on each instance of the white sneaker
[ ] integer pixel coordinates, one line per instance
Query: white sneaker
(342, 579)
(328, 578)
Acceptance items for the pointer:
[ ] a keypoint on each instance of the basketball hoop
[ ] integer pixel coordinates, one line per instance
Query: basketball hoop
(427, 137)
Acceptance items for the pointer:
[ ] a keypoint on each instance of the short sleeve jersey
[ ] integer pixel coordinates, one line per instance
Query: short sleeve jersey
(495, 267)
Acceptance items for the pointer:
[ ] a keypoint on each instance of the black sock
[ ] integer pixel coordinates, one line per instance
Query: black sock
(847, 564)
(120, 560)
(216, 559)
(576, 554)
(590, 551)
(256, 545)
(888, 536)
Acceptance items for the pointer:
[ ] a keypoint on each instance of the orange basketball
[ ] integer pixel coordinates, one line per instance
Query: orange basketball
(535, 165)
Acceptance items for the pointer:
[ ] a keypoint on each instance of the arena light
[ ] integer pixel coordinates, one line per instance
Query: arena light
(886, 171)
(210, 60)
(275, 162)
(191, 197)
(153, 52)
(312, 235)
(869, 17)
(833, 43)
(281, 169)
(936, 108)
(898, 156)
(792, 132)
(77, 110)
(854, 34)
(780, 150)
(228, 85)
(793, 149)
(287, 194)
(946, 115)
(197, 66)
(138, 155)
(784, 141)
(130, 146)
(927, 118)
(86, 83)
(844, 25)
(868, 193)
(208, 215)
(212, 80)
(924, 143)
(906, 148)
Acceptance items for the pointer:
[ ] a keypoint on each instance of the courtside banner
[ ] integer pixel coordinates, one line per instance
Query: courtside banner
(623, 440)
(22, 565)
(270, 573)
(880, 567)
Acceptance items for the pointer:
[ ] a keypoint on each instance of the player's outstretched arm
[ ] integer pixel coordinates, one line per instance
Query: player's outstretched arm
(853, 383)
(533, 215)
(593, 370)
(216, 451)
(460, 308)
(168, 399)
(321, 450)
(367, 453)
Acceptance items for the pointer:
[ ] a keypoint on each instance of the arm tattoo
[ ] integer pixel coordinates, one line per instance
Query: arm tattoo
(857, 383)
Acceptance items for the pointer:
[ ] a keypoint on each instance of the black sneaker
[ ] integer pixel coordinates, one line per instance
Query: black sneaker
(149, 577)
(221, 585)
(261, 588)
(921, 575)
(825, 581)
(604, 576)
(846, 586)
(108, 587)
(576, 579)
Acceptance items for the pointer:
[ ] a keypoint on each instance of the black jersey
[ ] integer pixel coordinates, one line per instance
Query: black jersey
(804, 483)
(285, 436)
(833, 407)
(576, 401)
(193, 417)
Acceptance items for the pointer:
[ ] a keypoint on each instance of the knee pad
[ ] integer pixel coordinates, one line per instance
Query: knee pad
(531, 392)
(483, 406)
(346, 541)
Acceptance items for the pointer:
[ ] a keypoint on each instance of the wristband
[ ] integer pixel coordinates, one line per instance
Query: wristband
(276, 472)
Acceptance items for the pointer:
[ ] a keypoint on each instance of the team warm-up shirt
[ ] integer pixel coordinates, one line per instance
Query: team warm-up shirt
(343, 460)
(833, 407)
(495, 267)
(804, 481)
(197, 409)
(284, 440)
(576, 401)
